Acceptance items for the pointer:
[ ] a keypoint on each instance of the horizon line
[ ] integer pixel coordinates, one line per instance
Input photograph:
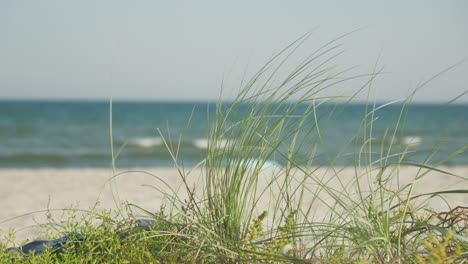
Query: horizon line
(198, 101)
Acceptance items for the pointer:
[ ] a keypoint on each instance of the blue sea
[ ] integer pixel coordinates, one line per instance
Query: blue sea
(69, 134)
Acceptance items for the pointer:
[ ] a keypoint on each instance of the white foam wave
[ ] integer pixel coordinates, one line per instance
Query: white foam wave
(202, 143)
(253, 163)
(148, 142)
(412, 140)
(407, 140)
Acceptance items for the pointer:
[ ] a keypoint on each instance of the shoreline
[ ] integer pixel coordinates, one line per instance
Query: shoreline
(26, 194)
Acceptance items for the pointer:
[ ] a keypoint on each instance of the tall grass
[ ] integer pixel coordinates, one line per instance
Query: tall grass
(365, 216)
(267, 197)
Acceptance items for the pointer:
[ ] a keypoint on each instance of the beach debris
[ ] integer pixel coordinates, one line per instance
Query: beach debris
(39, 246)
(144, 223)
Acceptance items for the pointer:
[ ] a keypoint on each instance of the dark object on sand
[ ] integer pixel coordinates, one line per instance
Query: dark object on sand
(37, 247)
(144, 223)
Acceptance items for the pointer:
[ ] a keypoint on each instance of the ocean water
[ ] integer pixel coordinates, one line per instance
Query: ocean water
(76, 134)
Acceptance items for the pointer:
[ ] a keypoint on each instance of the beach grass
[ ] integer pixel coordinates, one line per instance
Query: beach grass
(261, 200)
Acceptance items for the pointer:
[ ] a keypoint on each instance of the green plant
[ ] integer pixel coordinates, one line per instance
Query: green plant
(443, 252)
(276, 115)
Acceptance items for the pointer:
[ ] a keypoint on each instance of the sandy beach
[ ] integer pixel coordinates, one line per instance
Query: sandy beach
(27, 194)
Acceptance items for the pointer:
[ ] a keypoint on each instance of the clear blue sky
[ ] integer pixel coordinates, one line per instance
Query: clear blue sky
(179, 50)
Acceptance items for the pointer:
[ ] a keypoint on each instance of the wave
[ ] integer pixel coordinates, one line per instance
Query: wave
(405, 140)
(203, 143)
(253, 163)
(412, 140)
(156, 142)
(146, 142)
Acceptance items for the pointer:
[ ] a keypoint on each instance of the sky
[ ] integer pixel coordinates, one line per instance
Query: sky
(183, 50)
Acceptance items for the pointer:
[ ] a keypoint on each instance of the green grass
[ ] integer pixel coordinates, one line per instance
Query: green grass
(302, 212)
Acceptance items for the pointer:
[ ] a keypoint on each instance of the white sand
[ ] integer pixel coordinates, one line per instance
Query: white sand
(24, 191)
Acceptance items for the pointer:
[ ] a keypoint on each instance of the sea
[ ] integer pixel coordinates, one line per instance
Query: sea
(77, 134)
